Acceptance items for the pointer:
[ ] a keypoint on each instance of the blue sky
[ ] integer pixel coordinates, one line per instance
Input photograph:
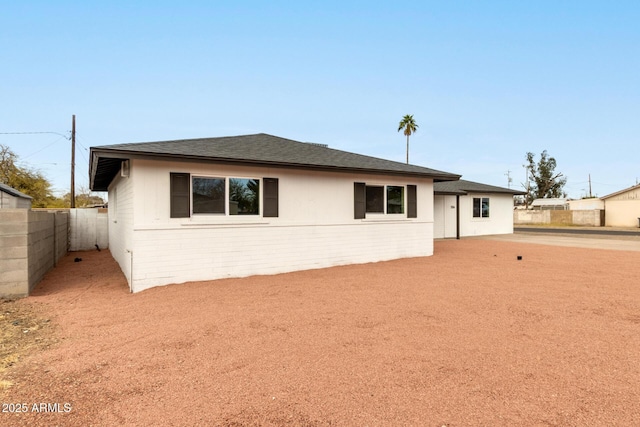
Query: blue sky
(486, 81)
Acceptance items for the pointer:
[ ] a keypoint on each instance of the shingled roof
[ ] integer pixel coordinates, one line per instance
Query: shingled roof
(463, 187)
(12, 191)
(258, 149)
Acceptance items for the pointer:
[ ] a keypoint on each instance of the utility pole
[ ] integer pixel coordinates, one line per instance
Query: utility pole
(509, 179)
(590, 195)
(73, 161)
(528, 187)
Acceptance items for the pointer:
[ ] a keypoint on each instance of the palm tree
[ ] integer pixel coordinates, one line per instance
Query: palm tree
(409, 125)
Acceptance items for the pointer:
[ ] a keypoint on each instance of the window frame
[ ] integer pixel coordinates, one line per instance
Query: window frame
(227, 196)
(368, 203)
(478, 212)
(225, 207)
(403, 208)
(362, 206)
(181, 198)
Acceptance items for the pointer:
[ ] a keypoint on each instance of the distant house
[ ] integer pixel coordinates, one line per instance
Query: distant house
(203, 209)
(554, 204)
(465, 208)
(10, 198)
(622, 208)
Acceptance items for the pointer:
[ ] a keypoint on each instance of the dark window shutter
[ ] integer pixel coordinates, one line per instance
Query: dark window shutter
(359, 199)
(270, 195)
(412, 201)
(180, 197)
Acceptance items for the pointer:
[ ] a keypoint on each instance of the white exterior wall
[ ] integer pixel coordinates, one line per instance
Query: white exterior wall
(586, 204)
(315, 228)
(121, 223)
(623, 209)
(500, 219)
(622, 213)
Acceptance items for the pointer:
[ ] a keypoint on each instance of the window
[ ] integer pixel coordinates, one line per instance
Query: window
(481, 207)
(375, 199)
(221, 195)
(379, 199)
(395, 200)
(244, 196)
(208, 195)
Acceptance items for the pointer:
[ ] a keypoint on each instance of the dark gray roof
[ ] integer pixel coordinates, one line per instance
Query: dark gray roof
(10, 190)
(463, 187)
(258, 149)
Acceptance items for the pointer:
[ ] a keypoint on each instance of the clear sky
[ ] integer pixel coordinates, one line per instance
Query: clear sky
(486, 81)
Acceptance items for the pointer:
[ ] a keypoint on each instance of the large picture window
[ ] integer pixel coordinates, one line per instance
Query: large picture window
(380, 199)
(481, 207)
(221, 195)
(211, 196)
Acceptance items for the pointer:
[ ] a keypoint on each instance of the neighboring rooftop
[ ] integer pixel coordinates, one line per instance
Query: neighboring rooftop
(617, 193)
(258, 149)
(463, 187)
(10, 190)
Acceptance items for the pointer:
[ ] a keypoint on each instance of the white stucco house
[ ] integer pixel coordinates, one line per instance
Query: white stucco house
(203, 209)
(10, 198)
(466, 208)
(622, 208)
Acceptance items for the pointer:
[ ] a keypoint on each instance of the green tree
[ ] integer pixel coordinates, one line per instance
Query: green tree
(25, 180)
(409, 125)
(544, 181)
(84, 199)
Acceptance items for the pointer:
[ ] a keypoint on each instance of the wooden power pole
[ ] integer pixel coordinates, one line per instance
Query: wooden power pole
(73, 161)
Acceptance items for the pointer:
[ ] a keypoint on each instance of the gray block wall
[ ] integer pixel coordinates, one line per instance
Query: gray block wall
(31, 243)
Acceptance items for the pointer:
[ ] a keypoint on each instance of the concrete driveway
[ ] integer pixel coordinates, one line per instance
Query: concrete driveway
(571, 238)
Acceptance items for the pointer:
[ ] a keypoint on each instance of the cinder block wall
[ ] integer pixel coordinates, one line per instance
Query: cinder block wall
(561, 217)
(594, 218)
(14, 255)
(31, 243)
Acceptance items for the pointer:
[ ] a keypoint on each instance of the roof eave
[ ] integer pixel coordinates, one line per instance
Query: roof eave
(98, 152)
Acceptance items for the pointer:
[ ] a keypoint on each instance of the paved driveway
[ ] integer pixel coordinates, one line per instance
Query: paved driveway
(593, 241)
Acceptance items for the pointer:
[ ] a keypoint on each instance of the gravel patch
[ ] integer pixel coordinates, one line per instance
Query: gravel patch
(469, 336)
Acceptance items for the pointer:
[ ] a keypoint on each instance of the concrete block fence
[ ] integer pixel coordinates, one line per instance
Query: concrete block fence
(33, 241)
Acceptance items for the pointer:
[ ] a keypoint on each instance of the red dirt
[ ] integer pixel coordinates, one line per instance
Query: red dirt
(470, 336)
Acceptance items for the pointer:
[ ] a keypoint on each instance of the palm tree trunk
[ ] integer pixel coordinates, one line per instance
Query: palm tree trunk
(407, 149)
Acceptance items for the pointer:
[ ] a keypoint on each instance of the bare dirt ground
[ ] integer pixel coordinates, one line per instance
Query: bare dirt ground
(470, 336)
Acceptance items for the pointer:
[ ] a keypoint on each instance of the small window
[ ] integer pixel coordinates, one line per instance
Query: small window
(481, 207)
(395, 200)
(208, 195)
(375, 199)
(244, 196)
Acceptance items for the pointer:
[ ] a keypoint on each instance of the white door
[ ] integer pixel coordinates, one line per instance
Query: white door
(450, 217)
(445, 217)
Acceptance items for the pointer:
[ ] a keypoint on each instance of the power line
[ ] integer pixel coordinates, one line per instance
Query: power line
(34, 133)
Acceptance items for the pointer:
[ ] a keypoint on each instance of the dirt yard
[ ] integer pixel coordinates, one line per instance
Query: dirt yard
(470, 336)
